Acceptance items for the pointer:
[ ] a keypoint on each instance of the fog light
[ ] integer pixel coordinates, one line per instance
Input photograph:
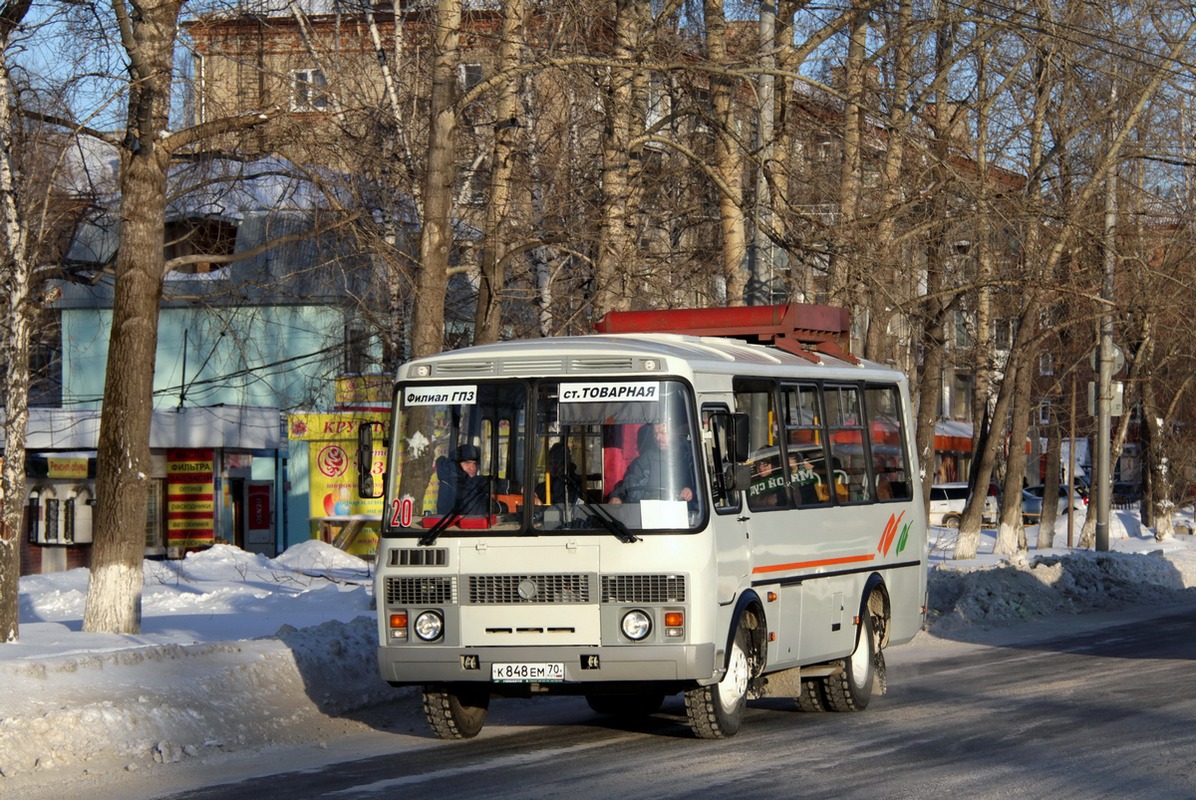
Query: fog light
(429, 626)
(636, 625)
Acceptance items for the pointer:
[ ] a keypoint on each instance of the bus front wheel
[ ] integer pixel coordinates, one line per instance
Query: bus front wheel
(716, 711)
(456, 711)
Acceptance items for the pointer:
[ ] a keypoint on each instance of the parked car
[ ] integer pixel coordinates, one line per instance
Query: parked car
(1032, 502)
(947, 501)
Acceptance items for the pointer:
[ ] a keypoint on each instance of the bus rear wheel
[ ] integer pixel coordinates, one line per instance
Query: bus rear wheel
(810, 699)
(850, 688)
(456, 711)
(716, 711)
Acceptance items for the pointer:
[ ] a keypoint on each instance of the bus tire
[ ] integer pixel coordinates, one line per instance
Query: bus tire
(850, 688)
(716, 711)
(811, 697)
(456, 711)
(626, 705)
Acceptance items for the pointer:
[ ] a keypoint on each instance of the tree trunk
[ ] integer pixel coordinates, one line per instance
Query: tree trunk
(488, 319)
(123, 455)
(1011, 533)
(728, 164)
(436, 235)
(843, 267)
(615, 247)
(14, 346)
(1054, 454)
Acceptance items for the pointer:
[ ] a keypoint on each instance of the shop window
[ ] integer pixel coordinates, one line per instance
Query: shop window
(153, 516)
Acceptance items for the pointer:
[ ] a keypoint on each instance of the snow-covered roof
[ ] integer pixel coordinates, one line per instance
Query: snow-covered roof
(244, 427)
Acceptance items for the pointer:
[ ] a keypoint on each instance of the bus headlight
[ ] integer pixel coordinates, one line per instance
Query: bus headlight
(429, 626)
(636, 625)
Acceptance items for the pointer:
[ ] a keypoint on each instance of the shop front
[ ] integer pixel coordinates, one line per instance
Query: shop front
(216, 474)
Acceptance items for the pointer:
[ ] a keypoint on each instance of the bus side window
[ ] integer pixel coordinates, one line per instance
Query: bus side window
(769, 484)
(808, 473)
(848, 444)
(886, 433)
(716, 437)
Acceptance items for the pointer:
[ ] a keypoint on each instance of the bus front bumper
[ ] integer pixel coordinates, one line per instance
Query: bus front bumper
(582, 665)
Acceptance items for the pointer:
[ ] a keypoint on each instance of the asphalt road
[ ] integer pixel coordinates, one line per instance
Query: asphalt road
(1103, 713)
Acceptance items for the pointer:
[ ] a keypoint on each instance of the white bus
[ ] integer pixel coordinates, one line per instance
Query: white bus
(730, 511)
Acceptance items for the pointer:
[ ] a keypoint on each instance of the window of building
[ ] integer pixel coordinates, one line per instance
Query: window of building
(153, 516)
(1046, 364)
(469, 76)
(1003, 330)
(309, 90)
(1044, 412)
(357, 340)
(660, 103)
(963, 330)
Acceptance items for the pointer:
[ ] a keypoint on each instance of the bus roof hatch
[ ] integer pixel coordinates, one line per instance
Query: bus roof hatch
(799, 328)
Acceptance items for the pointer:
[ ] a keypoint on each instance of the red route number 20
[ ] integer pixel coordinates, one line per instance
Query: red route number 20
(401, 510)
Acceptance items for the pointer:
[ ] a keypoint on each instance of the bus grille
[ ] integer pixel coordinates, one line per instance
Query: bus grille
(499, 589)
(420, 591)
(643, 588)
(419, 557)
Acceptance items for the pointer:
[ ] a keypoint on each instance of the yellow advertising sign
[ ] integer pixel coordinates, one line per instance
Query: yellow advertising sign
(64, 467)
(332, 474)
(318, 427)
(363, 390)
(190, 497)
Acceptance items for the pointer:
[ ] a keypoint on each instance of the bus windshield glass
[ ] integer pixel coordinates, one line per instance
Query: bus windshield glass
(602, 455)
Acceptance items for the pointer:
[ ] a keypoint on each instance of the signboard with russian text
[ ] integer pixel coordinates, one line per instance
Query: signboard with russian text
(332, 475)
(190, 497)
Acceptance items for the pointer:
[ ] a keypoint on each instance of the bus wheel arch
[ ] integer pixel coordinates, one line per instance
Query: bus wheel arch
(875, 602)
(862, 674)
(716, 711)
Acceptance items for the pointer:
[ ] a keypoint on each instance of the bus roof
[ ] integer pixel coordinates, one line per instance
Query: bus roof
(611, 355)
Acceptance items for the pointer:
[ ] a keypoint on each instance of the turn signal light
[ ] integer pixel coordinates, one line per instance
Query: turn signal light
(398, 626)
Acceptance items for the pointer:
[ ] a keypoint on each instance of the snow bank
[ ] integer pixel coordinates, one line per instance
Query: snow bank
(1056, 584)
(241, 652)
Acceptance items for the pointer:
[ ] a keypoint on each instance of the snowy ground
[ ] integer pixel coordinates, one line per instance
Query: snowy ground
(240, 653)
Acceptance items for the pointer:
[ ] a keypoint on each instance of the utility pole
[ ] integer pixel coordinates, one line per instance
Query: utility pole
(1104, 394)
(762, 251)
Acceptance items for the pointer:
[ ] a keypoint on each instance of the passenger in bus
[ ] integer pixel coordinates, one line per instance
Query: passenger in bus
(661, 470)
(562, 483)
(462, 490)
(807, 481)
(768, 484)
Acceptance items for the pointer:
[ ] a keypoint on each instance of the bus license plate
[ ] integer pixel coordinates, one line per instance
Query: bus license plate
(527, 673)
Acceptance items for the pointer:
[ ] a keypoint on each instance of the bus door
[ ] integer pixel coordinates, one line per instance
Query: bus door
(731, 536)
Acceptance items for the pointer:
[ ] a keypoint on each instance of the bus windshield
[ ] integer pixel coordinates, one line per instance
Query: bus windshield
(610, 456)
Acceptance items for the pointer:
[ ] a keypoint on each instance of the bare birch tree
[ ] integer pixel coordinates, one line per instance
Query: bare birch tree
(15, 269)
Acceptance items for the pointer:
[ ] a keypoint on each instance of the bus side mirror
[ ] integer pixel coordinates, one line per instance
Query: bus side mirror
(365, 461)
(739, 438)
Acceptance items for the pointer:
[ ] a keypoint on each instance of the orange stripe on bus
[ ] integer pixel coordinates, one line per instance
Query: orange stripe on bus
(825, 562)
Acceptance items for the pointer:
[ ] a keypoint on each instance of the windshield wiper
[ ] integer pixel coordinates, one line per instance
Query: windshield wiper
(604, 517)
(454, 513)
